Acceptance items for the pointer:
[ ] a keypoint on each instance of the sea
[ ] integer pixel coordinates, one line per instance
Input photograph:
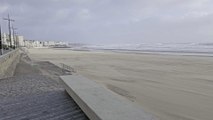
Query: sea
(201, 49)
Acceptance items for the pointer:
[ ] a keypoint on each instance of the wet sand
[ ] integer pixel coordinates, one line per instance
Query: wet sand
(171, 87)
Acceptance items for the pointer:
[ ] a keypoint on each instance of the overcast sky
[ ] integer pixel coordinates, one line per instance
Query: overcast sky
(112, 21)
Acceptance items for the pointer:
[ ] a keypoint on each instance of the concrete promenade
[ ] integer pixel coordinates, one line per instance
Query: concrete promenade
(35, 93)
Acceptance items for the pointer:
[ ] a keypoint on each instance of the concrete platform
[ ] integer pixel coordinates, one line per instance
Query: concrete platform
(99, 103)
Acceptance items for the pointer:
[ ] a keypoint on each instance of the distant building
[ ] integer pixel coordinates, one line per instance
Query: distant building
(61, 44)
(28, 43)
(49, 43)
(36, 43)
(33, 43)
(20, 40)
(5, 39)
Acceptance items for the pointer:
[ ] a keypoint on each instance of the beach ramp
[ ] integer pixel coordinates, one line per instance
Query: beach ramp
(99, 103)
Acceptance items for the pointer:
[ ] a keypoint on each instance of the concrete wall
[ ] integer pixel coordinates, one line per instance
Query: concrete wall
(8, 63)
(99, 103)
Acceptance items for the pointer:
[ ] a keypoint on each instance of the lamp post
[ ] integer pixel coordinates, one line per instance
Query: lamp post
(9, 28)
(17, 40)
(1, 45)
(14, 37)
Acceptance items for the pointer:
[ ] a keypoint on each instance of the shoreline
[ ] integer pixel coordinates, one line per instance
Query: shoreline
(152, 52)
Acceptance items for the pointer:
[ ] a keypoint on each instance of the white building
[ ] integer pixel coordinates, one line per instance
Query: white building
(20, 40)
(49, 43)
(33, 43)
(28, 43)
(37, 44)
(5, 39)
(60, 43)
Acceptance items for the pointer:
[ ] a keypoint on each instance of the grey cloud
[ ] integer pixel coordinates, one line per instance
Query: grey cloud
(112, 21)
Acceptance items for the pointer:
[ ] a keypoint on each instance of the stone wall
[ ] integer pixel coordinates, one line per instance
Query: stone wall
(8, 63)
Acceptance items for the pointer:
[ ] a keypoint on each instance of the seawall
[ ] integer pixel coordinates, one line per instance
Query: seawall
(8, 63)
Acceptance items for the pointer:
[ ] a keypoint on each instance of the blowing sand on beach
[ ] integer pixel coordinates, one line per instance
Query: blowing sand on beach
(106, 59)
(171, 87)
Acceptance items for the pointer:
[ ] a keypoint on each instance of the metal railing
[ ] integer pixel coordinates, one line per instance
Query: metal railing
(67, 68)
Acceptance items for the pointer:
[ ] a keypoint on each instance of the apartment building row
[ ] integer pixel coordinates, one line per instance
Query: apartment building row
(37, 44)
(21, 42)
(15, 40)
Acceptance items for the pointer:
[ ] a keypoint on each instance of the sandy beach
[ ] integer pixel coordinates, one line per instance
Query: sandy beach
(172, 87)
